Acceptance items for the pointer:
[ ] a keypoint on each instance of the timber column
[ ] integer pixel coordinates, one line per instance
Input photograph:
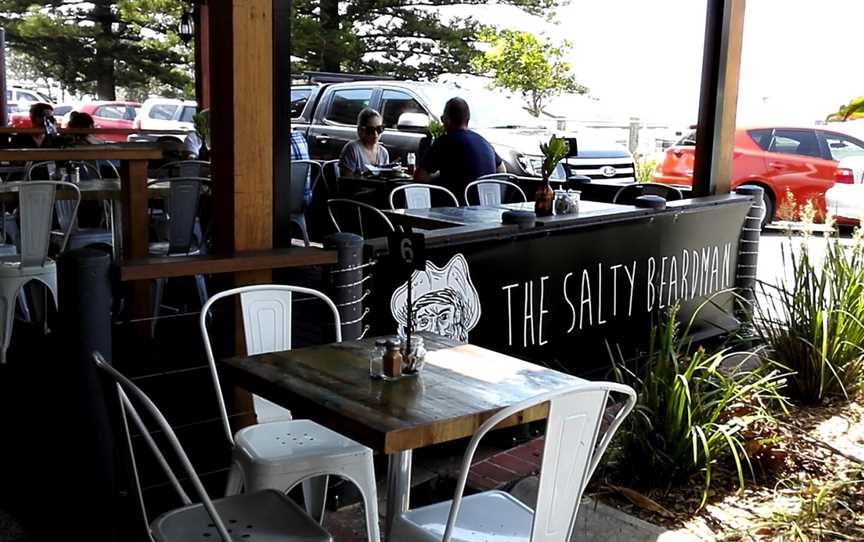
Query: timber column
(241, 125)
(241, 109)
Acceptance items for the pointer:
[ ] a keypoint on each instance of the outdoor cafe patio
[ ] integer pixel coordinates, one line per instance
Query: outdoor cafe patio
(203, 360)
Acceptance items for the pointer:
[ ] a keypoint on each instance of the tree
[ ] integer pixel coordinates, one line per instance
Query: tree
(409, 39)
(521, 63)
(98, 46)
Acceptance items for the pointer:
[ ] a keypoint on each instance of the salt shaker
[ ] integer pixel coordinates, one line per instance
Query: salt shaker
(376, 358)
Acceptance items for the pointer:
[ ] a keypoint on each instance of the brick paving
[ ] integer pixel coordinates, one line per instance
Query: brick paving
(504, 468)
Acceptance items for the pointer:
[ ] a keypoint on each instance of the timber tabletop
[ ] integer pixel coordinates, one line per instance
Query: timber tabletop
(459, 388)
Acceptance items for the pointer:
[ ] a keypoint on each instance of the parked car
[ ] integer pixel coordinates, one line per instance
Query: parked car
(327, 114)
(19, 99)
(21, 119)
(108, 115)
(164, 114)
(805, 161)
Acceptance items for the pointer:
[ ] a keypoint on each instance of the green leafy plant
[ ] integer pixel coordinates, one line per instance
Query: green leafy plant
(201, 121)
(813, 323)
(691, 412)
(553, 152)
(645, 169)
(436, 129)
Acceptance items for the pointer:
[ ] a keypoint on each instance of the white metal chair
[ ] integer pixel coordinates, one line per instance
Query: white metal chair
(362, 209)
(281, 454)
(419, 195)
(489, 189)
(570, 455)
(67, 217)
(36, 206)
(265, 515)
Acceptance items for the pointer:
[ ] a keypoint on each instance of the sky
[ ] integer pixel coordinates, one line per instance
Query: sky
(643, 58)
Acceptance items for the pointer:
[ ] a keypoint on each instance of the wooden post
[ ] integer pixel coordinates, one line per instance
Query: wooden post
(241, 120)
(202, 58)
(718, 101)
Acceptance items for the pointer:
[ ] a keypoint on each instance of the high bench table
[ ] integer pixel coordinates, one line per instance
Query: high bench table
(460, 387)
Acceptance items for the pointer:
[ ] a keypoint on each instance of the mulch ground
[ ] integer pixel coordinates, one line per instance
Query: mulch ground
(809, 485)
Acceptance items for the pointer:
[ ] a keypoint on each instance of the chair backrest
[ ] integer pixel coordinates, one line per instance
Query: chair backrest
(419, 195)
(302, 172)
(267, 313)
(66, 210)
(490, 189)
(181, 208)
(571, 452)
(362, 209)
(36, 206)
(627, 194)
(125, 388)
(330, 175)
(184, 168)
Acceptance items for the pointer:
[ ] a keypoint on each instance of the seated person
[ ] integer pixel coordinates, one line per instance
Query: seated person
(41, 117)
(366, 150)
(82, 121)
(460, 155)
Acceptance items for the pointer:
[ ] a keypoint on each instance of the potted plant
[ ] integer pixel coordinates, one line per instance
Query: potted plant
(553, 152)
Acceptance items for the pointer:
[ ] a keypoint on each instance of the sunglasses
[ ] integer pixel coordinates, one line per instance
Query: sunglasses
(373, 129)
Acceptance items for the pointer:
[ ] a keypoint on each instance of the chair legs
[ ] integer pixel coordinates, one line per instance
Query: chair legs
(159, 293)
(300, 220)
(234, 485)
(10, 289)
(315, 496)
(358, 470)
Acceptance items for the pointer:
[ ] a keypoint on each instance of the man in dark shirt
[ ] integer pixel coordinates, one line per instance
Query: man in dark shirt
(460, 156)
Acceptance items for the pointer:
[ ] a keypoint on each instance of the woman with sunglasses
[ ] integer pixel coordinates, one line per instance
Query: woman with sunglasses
(366, 150)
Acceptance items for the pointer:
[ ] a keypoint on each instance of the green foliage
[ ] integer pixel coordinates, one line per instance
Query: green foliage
(813, 325)
(519, 62)
(853, 110)
(645, 169)
(408, 39)
(553, 152)
(436, 129)
(99, 46)
(201, 121)
(690, 413)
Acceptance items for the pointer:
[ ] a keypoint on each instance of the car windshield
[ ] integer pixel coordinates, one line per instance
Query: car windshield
(488, 109)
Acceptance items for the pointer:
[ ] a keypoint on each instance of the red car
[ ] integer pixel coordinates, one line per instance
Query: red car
(105, 115)
(801, 160)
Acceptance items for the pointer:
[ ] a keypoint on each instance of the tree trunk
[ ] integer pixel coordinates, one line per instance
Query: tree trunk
(330, 56)
(104, 65)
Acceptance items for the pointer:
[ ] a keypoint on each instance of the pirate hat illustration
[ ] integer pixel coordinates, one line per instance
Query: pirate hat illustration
(450, 284)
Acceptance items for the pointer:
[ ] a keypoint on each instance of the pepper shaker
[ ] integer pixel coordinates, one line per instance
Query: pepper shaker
(392, 360)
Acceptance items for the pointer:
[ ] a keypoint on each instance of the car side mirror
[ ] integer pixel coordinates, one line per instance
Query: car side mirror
(413, 122)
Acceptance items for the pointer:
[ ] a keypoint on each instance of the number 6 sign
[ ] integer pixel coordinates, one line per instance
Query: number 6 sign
(409, 250)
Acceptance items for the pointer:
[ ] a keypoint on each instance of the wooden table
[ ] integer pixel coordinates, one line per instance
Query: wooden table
(460, 387)
(133, 175)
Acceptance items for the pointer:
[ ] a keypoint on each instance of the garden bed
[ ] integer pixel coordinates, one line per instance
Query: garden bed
(811, 492)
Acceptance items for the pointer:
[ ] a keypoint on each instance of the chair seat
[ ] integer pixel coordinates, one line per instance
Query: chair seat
(160, 248)
(10, 266)
(8, 250)
(262, 516)
(295, 445)
(492, 516)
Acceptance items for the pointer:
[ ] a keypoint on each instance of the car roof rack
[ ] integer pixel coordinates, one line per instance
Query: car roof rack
(334, 77)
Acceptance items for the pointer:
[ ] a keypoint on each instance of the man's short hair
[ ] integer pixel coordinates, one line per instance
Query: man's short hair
(41, 109)
(456, 109)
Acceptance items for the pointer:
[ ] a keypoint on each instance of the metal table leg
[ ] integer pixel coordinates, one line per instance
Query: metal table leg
(398, 489)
